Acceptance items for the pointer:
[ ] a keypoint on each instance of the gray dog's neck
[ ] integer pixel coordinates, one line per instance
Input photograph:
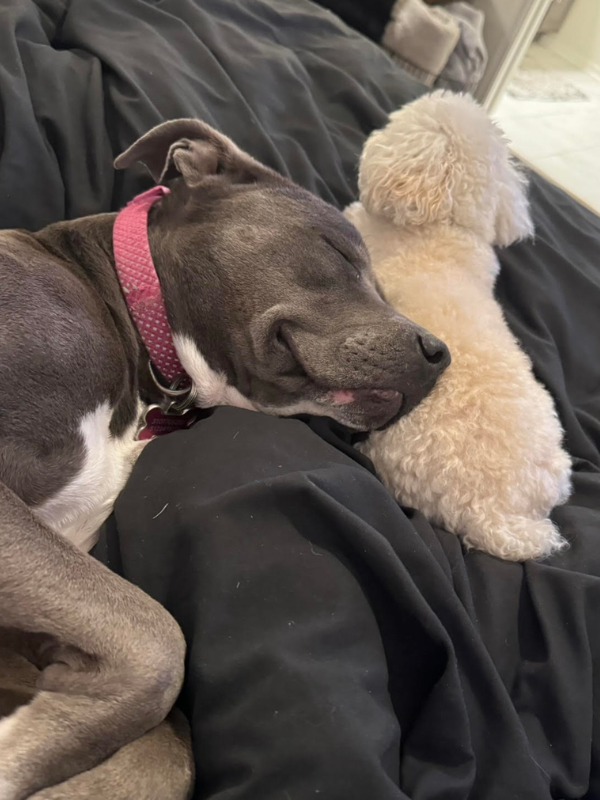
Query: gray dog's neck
(85, 246)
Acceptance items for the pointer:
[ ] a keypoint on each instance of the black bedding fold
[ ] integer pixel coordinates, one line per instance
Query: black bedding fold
(340, 647)
(80, 80)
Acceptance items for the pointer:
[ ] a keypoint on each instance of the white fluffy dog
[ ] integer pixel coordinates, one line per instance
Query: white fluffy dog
(482, 455)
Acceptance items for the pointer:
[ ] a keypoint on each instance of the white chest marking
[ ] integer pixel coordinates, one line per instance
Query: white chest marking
(78, 510)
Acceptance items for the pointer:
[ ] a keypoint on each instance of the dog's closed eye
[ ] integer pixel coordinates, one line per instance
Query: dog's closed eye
(341, 253)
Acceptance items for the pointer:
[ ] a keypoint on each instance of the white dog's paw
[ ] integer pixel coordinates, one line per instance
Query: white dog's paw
(7, 791)
(516, 538)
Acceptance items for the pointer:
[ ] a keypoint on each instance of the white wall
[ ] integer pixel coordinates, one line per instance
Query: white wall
(579, 38)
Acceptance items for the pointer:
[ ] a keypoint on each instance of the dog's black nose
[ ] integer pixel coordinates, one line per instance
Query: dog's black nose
(435, 351)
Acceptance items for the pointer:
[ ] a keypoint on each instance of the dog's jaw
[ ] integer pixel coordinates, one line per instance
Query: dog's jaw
(212, 387)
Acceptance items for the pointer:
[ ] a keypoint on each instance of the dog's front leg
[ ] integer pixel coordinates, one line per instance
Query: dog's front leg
(111, 659)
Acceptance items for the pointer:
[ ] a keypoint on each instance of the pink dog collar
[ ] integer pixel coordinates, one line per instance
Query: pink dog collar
(141, 287)
(140, 284)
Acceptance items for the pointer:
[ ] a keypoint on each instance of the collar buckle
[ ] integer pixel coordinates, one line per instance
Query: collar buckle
(178, 398)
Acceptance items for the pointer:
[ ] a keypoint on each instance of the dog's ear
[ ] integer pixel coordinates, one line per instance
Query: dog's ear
(190, 149)
(405, 174)
(441, 159)
(513, 220)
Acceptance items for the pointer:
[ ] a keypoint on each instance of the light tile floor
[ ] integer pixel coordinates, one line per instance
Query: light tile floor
(561, 139)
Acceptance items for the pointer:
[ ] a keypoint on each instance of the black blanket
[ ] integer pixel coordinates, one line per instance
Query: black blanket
(339, 646)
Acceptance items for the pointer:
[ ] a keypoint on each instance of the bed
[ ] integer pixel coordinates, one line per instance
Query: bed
(369, 658)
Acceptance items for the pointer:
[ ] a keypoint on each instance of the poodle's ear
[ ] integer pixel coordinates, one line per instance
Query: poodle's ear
(405, 174)
(442, 159)
(513, 220)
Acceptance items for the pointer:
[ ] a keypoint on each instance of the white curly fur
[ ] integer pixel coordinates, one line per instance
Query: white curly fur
(482, 455)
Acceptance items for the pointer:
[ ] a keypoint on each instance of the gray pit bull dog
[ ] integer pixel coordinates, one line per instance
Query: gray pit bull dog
(273, 307)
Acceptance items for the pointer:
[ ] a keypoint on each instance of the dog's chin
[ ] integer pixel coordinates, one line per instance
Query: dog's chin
(364, 409)
(361, 410)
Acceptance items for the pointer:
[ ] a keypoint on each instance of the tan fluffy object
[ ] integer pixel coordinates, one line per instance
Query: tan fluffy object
(482, 455)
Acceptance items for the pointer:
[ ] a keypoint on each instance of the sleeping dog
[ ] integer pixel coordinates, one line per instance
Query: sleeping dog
(270, 304)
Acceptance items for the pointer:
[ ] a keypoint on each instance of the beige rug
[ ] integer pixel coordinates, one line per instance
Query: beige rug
(539, 84)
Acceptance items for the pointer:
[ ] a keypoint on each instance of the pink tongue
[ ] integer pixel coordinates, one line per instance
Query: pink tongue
(341, 397)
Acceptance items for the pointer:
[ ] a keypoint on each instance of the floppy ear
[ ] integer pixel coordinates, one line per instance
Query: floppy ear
(191, 149)
(406, 174)
(513, 221)
(442, 159)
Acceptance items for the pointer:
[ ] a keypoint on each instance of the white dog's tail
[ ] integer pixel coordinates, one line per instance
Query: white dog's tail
(515, 538)
(442, 159)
